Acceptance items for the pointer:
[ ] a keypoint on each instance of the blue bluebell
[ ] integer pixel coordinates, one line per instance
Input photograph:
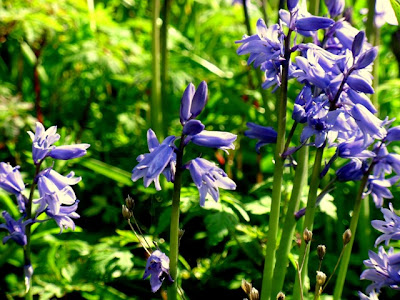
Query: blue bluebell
(15, 228)
(193, 101)
(64, 216)
(390, 227)
(335, 7)
(352, 171)
(215, 139)
(157, 267)
(265, 135)
(192, 127)
(12, 182)
(378, 188)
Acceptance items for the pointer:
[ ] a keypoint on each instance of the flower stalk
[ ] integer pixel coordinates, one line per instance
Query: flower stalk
(174, 226)
(277, 186)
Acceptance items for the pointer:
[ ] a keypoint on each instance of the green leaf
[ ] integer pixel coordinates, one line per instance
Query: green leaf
(219, 224)
(111, 172)
(396, 8)
(328, 207)
(28, 53)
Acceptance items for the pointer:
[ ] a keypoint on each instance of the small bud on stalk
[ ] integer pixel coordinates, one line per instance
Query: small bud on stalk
(254, 295)
(346, 237)
(321, 250)
(280, 296)
(130, 203)
(321, 278)
(307, 235)
(246, 286)
(126, 213)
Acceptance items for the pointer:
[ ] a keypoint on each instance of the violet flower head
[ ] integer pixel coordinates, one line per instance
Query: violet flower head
(390, 227)
(64, 216)
(193, 101)
(352, 171)
(335, 7)
(157, 267)
(372, 296)
(378, 188)
(383, 270)
(15, 228)
(42, 145)
(208, 178)
(265, 135)
(369, 124)
(215, 139)
(11, 181)
(161, 159)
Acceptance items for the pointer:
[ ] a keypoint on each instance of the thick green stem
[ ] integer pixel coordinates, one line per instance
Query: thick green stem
(156, 109)
(164, 53)
(310, 214)
(277, 185)
(282, 255)
(27, 247)
(347, 252)
(314, 7)
(174, 227)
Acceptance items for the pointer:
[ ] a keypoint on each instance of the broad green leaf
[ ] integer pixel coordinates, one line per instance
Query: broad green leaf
(111, 172)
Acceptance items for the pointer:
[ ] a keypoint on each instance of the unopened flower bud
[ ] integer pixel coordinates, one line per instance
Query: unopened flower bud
(246, 286)
(254, 294)
(307, 235)
(280, 296)
(321, 278)
(130, 203)
(321, 250)
(127, 214)
(346, 237)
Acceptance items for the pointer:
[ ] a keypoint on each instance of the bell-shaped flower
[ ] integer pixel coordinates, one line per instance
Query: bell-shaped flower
(192, 127)
(360, 84)
(358, 43)
(393, 134)
(42, 145)
(366, 58)
(367, 122)
(291, 4)
(372, 296)
(359, 98)
(381, 271)
(11, 181)
(265, 135)
(354, 149)
(193, 101)
(352, 171)
(15, 228)
(215, 139)
(335, 7)
(157, 267)
(390, 227)
(378, 188)
(161, 159)
(208, 178)
(64, 216)
(313, 23)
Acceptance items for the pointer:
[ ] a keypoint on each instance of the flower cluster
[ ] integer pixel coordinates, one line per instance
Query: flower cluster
(162, 158)
(57, 198)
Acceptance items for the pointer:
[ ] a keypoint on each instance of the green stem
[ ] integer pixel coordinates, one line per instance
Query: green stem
(310, 213)
(282, 255)
(164, 53)
(27, 247)
(156, 109)
(314, 7)
(174, 227)
(353, 227)
(277, 185)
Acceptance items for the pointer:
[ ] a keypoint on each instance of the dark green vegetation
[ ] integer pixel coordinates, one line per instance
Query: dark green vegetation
(87, 68)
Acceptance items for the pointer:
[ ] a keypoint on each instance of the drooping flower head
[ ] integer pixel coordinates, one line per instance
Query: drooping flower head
(157, 267)
(390, 227)
(161, 159)
(15, 228)
(11, 181)
(208, 178)
(42, 145)
(265, 135)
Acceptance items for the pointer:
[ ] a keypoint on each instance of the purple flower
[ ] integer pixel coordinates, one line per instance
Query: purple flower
(354, 170)
(393, 134)
(208, 178)
(335, 7)
(390, 227)
(64, 216)
(55, 191)
(265, 135)
(161, 159)
(192, 127)
(383, 270)
(193, 102)
(313, 23)
(42, 145)
(369, 124)
(157, 266)
(291, 4)
(378, 188)
(15, 228)
(215, 139)
(372, 296)
(11, 181)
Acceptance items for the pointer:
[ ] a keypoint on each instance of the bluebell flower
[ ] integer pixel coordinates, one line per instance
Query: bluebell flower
(55, 190)
(265, 135)
(378, 188)
(193, 101)
(360, 83)
(382, 270)
(393, 134)
(215, 139)
(335, 7)
(208, 178)
(354, 148)
(390, 227)
(11, 181)
(192, 127)
(372, 296)
(292, 4)
(64, 216)
(369, 124)
(15, 228)
(28, 272)
(352, 171)
(42, 145)
(313, 23)
(157, 267)
(161, 159)
(359, 98)
(302, 105)
(384, 13)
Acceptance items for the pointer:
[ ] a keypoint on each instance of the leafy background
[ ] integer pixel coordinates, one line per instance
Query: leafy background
(93, 69)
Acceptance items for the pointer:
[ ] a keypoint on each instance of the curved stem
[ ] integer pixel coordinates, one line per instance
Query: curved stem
(353, 227)
(310, 213)
(277, 186)
(282, 257)
(174, 227)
